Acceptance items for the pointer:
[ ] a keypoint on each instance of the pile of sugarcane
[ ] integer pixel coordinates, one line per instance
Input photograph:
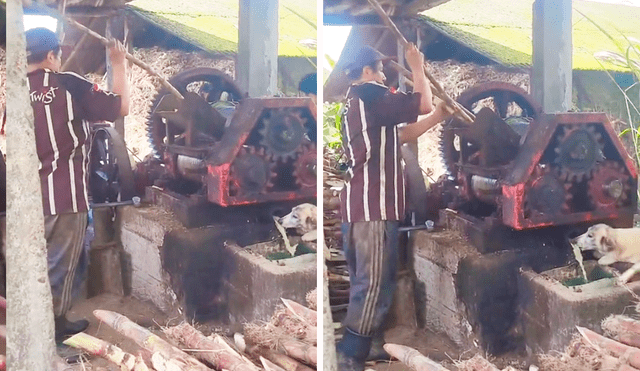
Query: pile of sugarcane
(617, 349)
(286, 343)
(333, 181)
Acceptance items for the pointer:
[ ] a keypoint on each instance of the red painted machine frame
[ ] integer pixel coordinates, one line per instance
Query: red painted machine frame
(538, 139)
(218, 166)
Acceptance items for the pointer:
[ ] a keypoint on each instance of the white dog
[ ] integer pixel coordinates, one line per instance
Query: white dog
(613, 245)
(304, 218)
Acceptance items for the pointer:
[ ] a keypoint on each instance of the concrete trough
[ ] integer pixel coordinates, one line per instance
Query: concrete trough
(207, 273)
(550, 310)
(470, 293)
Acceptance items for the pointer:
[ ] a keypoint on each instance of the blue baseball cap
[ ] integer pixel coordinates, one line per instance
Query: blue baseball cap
(41, 40)
(366, 56)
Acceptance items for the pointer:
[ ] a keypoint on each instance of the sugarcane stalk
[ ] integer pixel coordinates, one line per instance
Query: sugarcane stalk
(140, 365)
(300, 350)
(617, 349)
(437, 89)
(216, 353)
(305, 314)
(308, 333)
(219, 340)
(413, 358)
(270, 366)
(284, 361)
(626, 368)
(101, 348)
(148, 340)
(617, 325)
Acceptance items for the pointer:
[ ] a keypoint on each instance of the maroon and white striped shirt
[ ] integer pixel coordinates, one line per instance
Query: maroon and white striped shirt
(375, 184)
(63, 105)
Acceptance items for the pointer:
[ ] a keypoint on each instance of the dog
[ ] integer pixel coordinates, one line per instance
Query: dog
(304, 218)
(613, 245)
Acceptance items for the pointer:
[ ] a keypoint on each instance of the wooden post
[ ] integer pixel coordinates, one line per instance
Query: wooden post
(551, 72)
(113, 30)
(257, 60)
(30, 344)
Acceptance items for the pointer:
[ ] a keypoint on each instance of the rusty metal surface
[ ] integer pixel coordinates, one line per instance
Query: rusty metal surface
(238, 150)
(506, 101)
(556, 176)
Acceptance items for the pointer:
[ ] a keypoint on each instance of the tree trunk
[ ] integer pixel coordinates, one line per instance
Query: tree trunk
(30, 344)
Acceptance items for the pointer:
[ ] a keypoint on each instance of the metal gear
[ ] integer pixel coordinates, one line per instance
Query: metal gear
(578, 152)
(610, 185)
(511, 103)
(211, 84)
(283, 132)
(305, 167)
(251, 171)
(546, 193)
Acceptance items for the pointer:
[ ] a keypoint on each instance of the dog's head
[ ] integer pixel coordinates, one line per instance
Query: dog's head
(598, 238)
(302, 217)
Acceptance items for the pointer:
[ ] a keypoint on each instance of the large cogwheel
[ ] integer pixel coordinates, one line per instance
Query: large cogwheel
(578, 152)
(610, 185)
(251, 171)
(282, 132)
(511, 103)
(546, 193)
(305, 167)
(211, 84)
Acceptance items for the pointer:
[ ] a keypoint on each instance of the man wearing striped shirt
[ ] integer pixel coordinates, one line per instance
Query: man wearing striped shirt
(372, 202)
(63, 106)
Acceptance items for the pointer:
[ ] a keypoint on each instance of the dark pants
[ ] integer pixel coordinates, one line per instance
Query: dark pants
(371, 250)
(65, 236)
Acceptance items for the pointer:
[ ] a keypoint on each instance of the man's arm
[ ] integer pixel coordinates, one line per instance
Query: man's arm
(415, 60)
(411, 132)
(117, 54)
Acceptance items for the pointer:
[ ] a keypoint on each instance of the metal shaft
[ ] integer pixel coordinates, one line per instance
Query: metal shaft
(135, 201)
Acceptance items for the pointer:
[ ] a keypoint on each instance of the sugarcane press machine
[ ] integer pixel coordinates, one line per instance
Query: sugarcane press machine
(216, 143)
(520, 168)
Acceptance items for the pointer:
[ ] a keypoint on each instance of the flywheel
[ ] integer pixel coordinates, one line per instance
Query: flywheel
(213, 86)
(513, 104)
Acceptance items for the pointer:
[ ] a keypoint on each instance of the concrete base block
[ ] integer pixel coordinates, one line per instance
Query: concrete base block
(437, 256)
(202, 273)
(142, 233)
(551, 311)
(256, 284)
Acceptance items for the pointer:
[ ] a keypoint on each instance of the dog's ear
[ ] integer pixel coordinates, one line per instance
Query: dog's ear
(607, 243)
(311, 221)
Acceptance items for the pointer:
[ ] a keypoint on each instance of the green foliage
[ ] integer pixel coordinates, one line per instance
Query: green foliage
(332, 124)
(213, 25)
(627, 57)
(505, 35)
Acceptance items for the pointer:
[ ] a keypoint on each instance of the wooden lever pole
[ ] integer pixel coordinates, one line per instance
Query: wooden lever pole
(458, 110)
(129, 57)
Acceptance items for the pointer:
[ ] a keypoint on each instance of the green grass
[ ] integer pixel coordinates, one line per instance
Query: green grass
(501, 29)
(213, 24)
